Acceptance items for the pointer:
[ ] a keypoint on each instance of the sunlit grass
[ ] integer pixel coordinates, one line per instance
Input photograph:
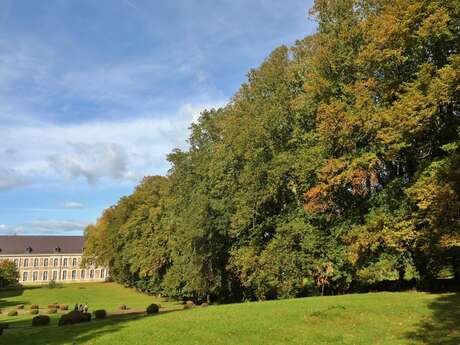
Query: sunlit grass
(375, 318)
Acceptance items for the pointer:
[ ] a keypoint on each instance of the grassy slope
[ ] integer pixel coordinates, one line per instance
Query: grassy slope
(96, 295)
(379, 318)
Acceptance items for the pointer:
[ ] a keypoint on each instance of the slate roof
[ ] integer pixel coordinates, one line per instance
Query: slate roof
(18, 245)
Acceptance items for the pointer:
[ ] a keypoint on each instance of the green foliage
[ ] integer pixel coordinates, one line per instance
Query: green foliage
(74, 317)
(54, 285)
(8, 273)
(152, 309)
(100, 314)
(41, 320)
(337, 162)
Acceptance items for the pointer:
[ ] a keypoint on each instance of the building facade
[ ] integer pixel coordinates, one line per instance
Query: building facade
(41, 259)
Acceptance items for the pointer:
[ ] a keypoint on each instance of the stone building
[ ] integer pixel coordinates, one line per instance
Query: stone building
(41, 259)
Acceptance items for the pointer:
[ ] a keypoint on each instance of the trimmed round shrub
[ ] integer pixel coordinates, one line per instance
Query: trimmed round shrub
(21, 306)
(51, 311)
(122, 307)
(34, 306)
(12, 313)
(100, 314)
(86, 317)
(64, 307)
(72, 317)
(53, 306)
(204, 304)
(152, 309)
(75, 316)
(41, 320)
(189, 304)
(33, 311)
(64, 320)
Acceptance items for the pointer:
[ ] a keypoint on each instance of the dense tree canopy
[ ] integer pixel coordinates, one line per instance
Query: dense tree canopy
(8, 273)
(337, 163)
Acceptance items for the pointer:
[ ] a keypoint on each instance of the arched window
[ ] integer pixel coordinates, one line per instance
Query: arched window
(26, 262)
(74, 274)
(45, 275)
(102, 274)
(64, 275)
(36, 262)
(35, 276)
(55, 275)
(82, 274)
(74, 262)
(91, 274)
(65, 262)
(56, 262)
(25, 276)
(45, 262)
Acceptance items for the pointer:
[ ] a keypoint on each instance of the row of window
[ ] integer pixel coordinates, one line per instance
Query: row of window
(55, 275)
(46, 261)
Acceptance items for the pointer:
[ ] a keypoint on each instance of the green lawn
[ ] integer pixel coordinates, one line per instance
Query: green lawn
(375, 318)
(97, 295)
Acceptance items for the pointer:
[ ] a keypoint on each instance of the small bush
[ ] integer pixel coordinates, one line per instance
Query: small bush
(152, 309)
(33, 311)
(51, 311)
(64, 320)
(64, 307)
(53, 285)
(41, 320)
(34, 306)
(122, 307)
(53, 306)
(86, 317)
(21, 306)
(204, 304)
(189, 304)
(12, 313)
(73, 317)
(100, 314)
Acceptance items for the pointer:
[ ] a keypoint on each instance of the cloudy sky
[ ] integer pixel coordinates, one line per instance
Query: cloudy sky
(94, 94)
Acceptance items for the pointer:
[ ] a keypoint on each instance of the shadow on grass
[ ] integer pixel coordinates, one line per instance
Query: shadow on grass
(21, 331)
(443, 328)
(8, 293)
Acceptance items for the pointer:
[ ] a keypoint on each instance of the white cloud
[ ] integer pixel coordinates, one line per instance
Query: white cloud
(10, 178)
(52, 225)
(45, 227)
(122, 150)
(92, 161)
(73, 205)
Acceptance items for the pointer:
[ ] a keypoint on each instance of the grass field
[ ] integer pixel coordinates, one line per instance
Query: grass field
(375, 318)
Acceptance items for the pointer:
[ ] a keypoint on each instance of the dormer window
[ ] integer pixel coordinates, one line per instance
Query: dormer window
(29, 250)
(57, 250)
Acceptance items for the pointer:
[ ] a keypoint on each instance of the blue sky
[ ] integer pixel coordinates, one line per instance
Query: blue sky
(94, 94)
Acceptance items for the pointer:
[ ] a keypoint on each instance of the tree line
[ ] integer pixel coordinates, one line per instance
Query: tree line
(337, 163)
